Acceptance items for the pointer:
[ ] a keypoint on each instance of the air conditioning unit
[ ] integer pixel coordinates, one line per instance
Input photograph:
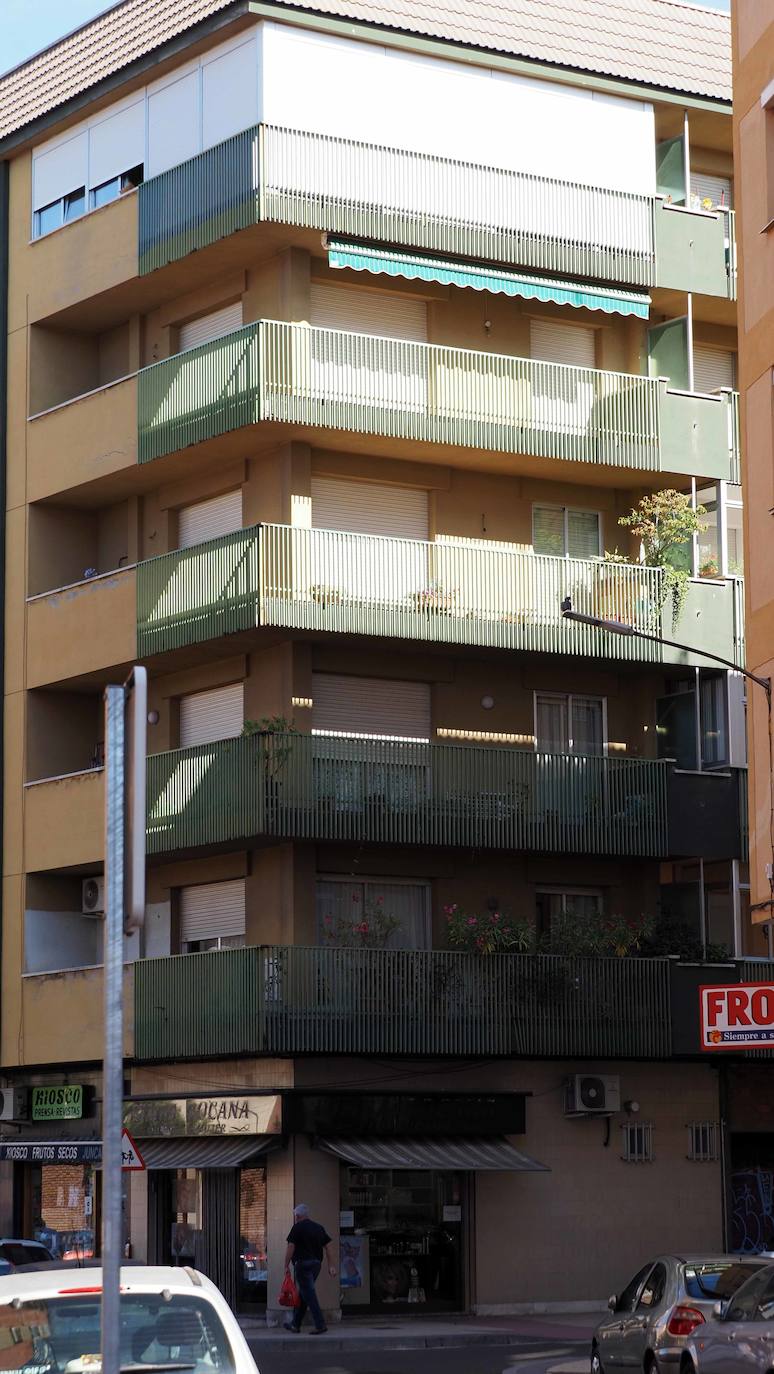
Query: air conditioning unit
(14, 1104)
(93, 897)
(591, 1094)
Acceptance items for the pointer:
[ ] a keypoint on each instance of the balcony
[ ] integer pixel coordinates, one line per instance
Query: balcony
(82, 440)
(81, 629)
(280, 1000)
(316, 181)
(294, 374)
(63, 1012)
(64, 821)
(309, 787)
(448, 592)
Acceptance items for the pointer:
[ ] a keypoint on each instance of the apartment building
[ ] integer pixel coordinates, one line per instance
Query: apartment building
(336, 353)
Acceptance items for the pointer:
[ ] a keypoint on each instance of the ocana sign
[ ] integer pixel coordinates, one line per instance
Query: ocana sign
(737, 1016)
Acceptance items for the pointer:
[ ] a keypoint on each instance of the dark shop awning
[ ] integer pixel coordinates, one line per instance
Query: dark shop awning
(204, 1152)
(454, 272)
(494, 1154)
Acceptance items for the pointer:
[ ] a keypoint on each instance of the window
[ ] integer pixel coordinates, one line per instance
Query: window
(215, 714)
(744, 1305)
(115, 187)
(370, 707)
(209, 519)
(397, 914)
(718, 191)
(628, 1298)
(655, 1284)
(60, 211)
(637, 1142)
(565, 532)
(213, 325)
(703, 1141)
(712, 708)
(569, 724)
(212, 916)
(557, 908)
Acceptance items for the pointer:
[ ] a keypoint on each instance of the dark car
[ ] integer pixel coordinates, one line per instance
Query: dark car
(15, 1253)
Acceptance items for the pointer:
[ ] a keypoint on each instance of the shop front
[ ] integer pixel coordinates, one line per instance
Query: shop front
(205, 1160)
(405, 1200)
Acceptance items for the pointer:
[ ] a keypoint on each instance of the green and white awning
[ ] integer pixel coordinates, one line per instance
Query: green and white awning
(453, 272)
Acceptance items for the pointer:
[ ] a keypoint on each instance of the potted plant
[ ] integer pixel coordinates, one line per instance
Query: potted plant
(490, 933)
(369, 927)
(665, 523)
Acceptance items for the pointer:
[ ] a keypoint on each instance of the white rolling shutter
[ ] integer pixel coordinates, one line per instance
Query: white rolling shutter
(369, 312)
(60, 170)
(712, 368)
(719, 190)
(117, 144)
(212, 911)
(211, 326)
(368, 508)
(208, 716)
(551, 341)
(376, 707)
(208, 519)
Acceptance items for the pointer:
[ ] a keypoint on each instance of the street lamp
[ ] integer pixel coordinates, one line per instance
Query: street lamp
(619, 627)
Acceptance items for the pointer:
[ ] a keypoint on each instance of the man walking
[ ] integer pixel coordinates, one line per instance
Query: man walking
(307, 1242)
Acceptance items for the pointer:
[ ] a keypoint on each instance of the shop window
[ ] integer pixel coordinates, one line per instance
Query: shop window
(253, 1257)
(703, 1141)
(637, 1142)
(373, 914)
(62, 1199)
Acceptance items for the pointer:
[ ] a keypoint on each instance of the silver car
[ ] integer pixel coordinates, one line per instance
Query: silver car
(742, 1336)
(669, 1299)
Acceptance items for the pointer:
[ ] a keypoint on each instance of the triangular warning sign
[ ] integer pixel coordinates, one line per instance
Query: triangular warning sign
(130, 1155)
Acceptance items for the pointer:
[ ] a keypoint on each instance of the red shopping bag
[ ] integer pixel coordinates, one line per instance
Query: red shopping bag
(288, 1294)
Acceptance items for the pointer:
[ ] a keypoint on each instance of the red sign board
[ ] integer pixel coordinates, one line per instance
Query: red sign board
(736, 1016)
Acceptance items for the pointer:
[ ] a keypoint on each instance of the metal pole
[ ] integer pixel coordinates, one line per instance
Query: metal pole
(113, 1068)
(689, 340)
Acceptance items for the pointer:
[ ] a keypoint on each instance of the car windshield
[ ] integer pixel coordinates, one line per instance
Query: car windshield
(717, 1280)
(61, 1335)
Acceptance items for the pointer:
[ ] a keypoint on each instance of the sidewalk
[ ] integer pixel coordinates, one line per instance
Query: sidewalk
(429, 1333)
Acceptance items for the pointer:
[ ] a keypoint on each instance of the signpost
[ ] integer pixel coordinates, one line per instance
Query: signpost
(736, 1016)
(131, 1159)
(126, 713)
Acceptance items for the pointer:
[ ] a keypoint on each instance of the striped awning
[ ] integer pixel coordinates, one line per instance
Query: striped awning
(454, 272)
(494, 1154)
(204, 1152)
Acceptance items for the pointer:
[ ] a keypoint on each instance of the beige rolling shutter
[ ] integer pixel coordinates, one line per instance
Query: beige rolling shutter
(367, 508)
(369, 312)
(208, 519)
(712, 368)
(216, 714)
(554, 342)
(210, 911)
(370, 706)
(719, 190)
(211, 326)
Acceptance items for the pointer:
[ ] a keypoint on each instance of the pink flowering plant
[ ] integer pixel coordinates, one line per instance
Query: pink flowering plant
(489, 933)
(369, 926)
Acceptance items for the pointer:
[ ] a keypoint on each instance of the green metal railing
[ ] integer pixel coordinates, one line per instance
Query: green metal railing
(734, 438)
(199, 394)
(405, 792)
(731, 258)
(369, 190)
(451, 591)
(277, 999)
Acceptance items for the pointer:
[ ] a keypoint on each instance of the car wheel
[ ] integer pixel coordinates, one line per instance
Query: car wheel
(596, 1363)
(651, 1365)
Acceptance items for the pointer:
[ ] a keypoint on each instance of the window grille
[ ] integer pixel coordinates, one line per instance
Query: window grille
(703, 1144)
(637, 1142)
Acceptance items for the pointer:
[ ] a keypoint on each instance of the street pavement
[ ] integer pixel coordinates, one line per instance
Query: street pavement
(526, 1358)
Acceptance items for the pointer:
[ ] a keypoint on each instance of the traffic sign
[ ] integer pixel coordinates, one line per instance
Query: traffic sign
(131, 1159)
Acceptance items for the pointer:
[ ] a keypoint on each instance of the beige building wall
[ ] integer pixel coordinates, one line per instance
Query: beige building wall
(753, 39)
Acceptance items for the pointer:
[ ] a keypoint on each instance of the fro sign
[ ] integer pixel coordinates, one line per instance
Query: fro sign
(737, 1016)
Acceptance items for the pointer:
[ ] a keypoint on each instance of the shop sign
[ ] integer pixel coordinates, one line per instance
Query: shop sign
(62, 1103)
(736, 1016)
(51, 1151)
(227, 1115)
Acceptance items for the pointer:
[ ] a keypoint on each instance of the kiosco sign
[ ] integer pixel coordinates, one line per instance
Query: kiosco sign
(737, 1016)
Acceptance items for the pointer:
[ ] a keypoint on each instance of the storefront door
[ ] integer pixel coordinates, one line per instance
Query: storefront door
(214, 1219)
(402, 1240)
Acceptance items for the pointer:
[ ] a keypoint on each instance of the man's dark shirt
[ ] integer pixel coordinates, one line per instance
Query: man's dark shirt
(309, 1239)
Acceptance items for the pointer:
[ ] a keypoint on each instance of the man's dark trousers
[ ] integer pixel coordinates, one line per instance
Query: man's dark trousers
(307, 1272)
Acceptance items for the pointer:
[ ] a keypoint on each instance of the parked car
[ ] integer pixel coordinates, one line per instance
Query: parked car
(170, 1317)
(742, 1336)
(16, 1252)
(667, 1300)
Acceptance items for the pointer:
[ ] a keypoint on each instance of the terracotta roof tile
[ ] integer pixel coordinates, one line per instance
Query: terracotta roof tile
(662, 43)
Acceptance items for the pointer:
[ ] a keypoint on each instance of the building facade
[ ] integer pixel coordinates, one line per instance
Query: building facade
(320, 403)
